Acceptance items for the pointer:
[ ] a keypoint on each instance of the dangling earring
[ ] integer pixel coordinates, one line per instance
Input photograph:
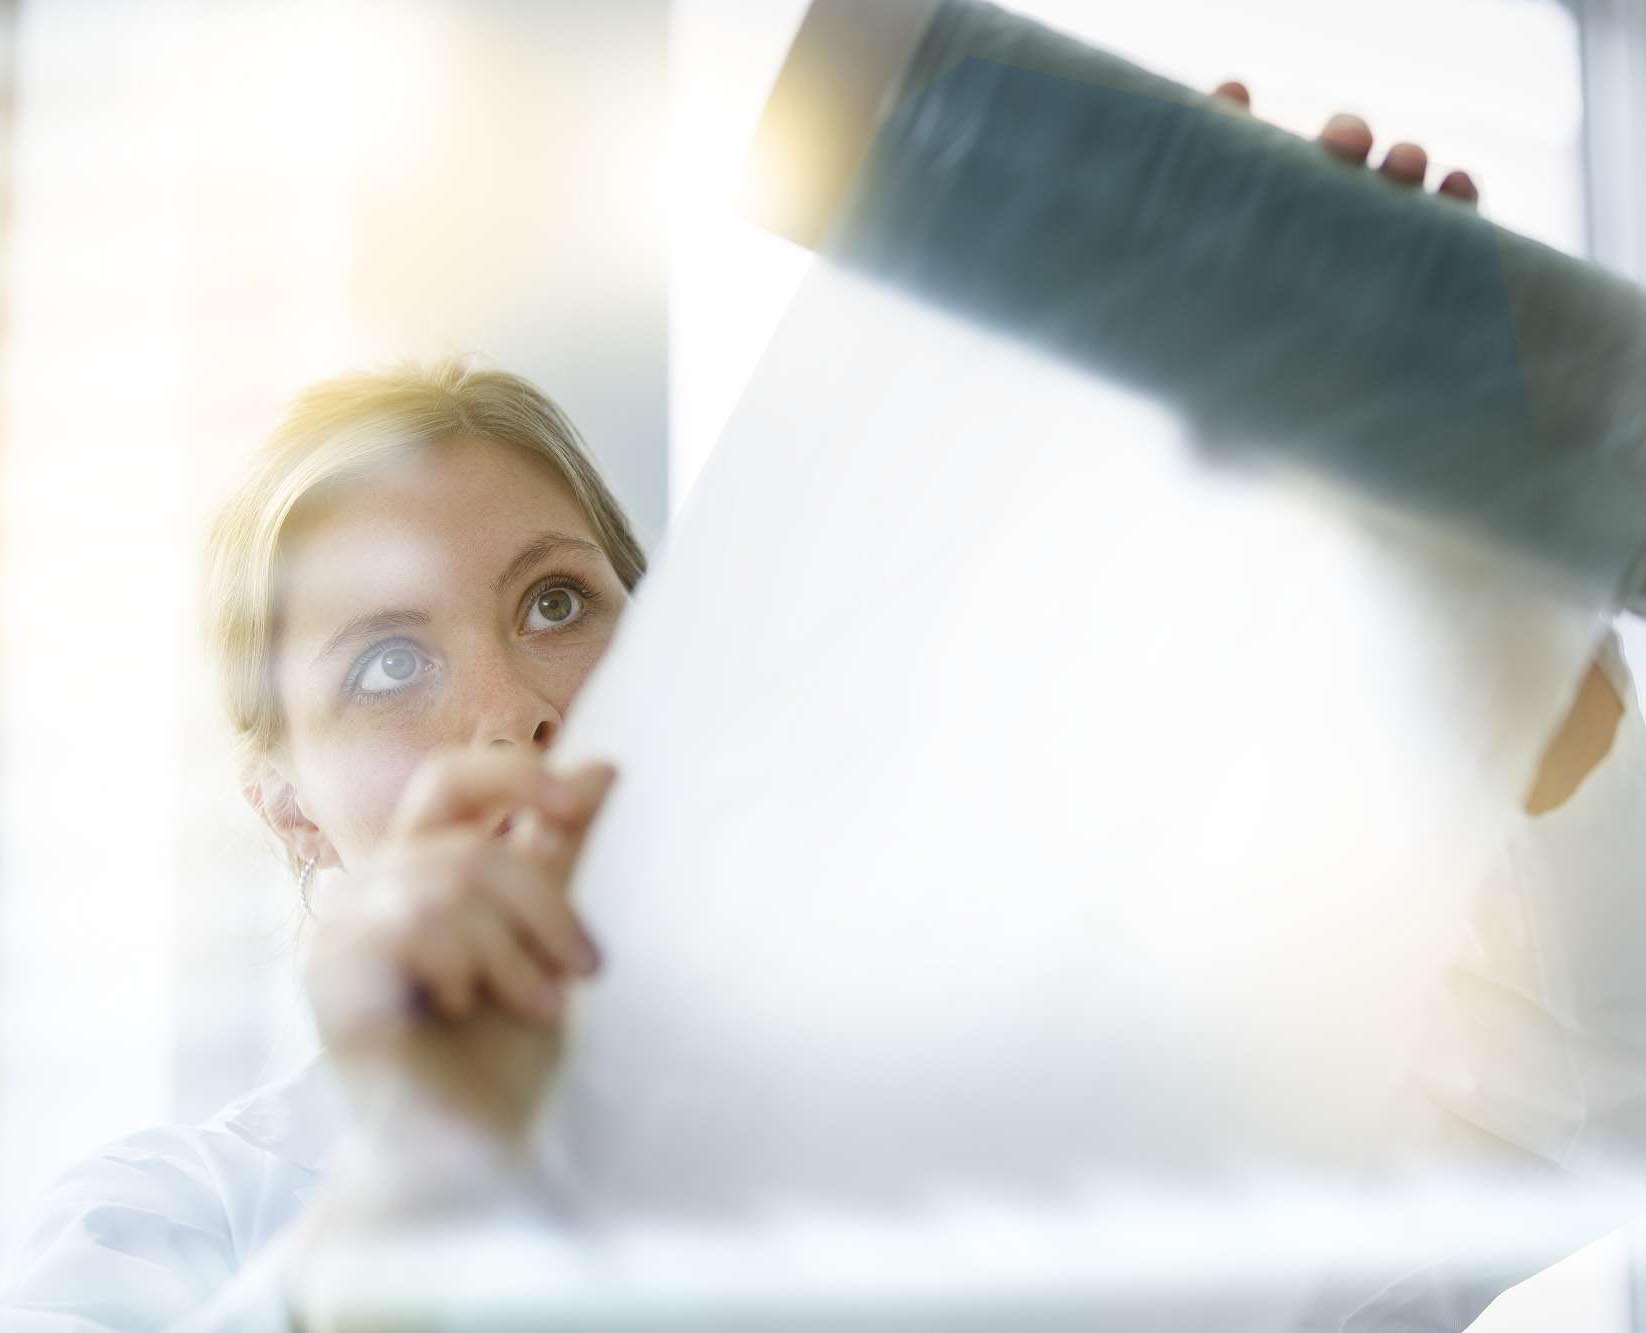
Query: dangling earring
(305, 877)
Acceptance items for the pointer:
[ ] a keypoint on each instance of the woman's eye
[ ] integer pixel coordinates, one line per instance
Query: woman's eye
(389, 670)
(554, 607)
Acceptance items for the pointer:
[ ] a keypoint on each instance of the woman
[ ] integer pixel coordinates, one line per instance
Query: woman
(405, 596)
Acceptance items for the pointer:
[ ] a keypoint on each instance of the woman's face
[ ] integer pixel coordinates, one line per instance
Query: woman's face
(456, 597)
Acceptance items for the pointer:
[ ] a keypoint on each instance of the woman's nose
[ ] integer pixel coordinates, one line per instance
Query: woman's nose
(539, 737)
(513, 712)
(504, 703)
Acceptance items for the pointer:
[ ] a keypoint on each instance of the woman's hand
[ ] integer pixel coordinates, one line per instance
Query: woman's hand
(439, 971)
(1350, 138)
(438, 977)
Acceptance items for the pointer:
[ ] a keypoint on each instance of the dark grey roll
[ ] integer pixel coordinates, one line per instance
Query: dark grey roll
(1288, 305)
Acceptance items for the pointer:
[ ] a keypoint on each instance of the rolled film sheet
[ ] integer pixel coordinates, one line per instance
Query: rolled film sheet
(1286, 304)
(1009, 799)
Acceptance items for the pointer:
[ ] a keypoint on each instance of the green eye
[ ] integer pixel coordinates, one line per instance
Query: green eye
(555, 607)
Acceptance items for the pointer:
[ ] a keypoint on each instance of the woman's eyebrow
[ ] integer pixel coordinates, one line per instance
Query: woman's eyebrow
(544, 544)
(373, 623)
(376, 622)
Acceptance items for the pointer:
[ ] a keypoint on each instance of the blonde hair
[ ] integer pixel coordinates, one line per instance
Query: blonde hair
(340, 429)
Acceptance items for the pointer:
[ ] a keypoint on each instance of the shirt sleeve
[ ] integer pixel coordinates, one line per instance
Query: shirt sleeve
(137, 1238)
(1534, 1071)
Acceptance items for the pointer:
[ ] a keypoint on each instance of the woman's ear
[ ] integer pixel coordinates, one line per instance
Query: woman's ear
(278, 805)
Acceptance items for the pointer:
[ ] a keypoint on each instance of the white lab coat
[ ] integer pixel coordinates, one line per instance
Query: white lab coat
(1538, 1061)
(183, 1227)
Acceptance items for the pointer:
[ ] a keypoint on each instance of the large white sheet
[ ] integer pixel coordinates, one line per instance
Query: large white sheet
(1007, 797)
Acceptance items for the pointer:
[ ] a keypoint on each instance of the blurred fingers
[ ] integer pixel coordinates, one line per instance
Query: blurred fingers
(436, 958)
(511, 974)
(463, 786)
(1406, 164)
(1461, 185)
(574, 800)
(1348, 137)
(580, 793)
(530, 883)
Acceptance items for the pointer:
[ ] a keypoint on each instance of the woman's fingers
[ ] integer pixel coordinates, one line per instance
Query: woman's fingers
(1461, 185)
(512, 975)
(529, 881)
(457, 960)
(460, 786)
(532, 837)
(458, 917)
(463, 786)
(577, 793)
(480, 886)
(454, 912)
(1406, 164)
(510, 935)
(439, 961)
(1348, 137)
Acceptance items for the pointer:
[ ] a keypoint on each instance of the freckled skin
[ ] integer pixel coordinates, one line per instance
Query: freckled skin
(431, 532)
